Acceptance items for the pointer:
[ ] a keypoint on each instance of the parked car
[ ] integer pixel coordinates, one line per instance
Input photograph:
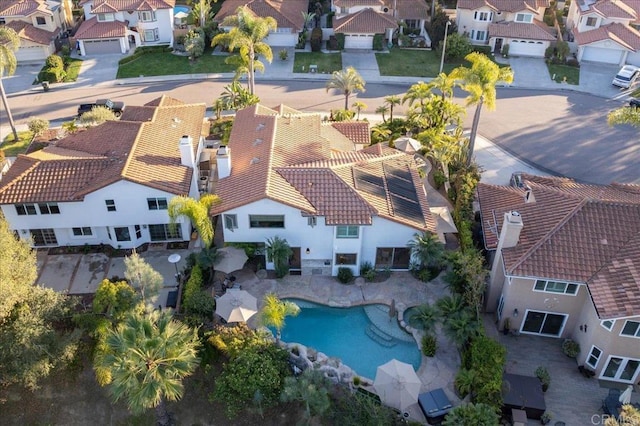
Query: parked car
(626, 76)
(116, 107)
(635, 103)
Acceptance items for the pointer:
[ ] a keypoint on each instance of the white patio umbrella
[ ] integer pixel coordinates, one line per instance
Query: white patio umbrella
(236, 306)
(230, 259)
(397, 384)
(625, 397)
(181, 15)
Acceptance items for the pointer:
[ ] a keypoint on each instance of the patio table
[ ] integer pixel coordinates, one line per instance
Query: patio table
(524, 393)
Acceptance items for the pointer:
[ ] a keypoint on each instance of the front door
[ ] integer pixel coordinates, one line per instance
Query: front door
(498, 46)
(621, 369)
(545, 323)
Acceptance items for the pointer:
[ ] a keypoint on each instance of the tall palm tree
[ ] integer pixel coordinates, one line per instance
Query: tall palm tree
(9, 44)
(247, 36)
(347, 81)
(418, 92)
(144, 360)
(359, 106)
(275, 311)
(392, 101)
(479, 82)
(197, 211)
(382, 109)
(279, 252)
(202, 9)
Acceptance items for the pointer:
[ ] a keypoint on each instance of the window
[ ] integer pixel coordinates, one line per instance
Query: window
(312, 221)
(49, 208)
(347, 231)
(266, 221)
(138, 232)
(608, 324)
(40, 20)
(84, 231)
(106, 17)
(147, 16)
(591, 22)
(555, 287)
(151, 35)
(482, 16)
(43, 237)
(346, 258)
(393, 257)
(594, 356)
(2, 21)
(621, 369)
(631, 328)
(111, 205)
(165, 232)
(231, 221)
(546, 323)
(524, 17)
(477, 35)
(157, 203)
(122, 233)
(412, 23)
(26, 209)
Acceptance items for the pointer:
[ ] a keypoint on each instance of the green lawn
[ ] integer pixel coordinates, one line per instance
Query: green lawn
(326, 62)
(73, 69)
(413, 63)
(12, 148)
(164, 63)
(572, 74)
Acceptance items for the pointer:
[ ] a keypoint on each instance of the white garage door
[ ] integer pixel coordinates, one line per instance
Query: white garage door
(600, 54)
(31, 53)
(527, 48)
(96, 47)
(282, 39)
(633, 58)
(358, 41)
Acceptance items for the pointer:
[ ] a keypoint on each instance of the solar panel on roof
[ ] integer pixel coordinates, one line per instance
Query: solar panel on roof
(369, 183)
(401, 187)
(406, 209)
(395, 171)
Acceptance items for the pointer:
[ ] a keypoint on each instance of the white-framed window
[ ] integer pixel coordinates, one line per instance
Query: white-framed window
(111, 205)
(122, 233)
(26, 209)
(312, 221)
(524, 17)
(138, 232)
(266, 221)
(165, 231)
(346, 258)
(151, 35)
(147, 16)
(231, 221)
(106, 17)
(591, 21)
(482, 16)
(555, 287)
(621, 369)
(608, 324)
(631, 329)
(2, 21)
(594, 356)
(43, 237)
(84, 231)
(478, 35)
(347, 231)
(40, 20)
(49, 208)
(500, 307)
(157, 203)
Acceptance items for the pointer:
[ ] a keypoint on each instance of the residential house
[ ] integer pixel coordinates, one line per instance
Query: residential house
(287, 174)
(497, 23)
(38, 23)
(566, 264)
(287, 13)
(109, 184)
(114, 26)
(605, 31)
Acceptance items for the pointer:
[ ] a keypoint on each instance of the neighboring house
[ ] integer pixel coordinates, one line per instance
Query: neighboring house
(114, 26)
(38, 23)
(606, 31)
(497, 23)
(286, 173)
(566, 264)
(109, 184)
(287, 13)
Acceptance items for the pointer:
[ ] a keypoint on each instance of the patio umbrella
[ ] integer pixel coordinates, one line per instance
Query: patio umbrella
(236, 306)
(231, 259)
(397, 384)
(625, 397)
(180, 15)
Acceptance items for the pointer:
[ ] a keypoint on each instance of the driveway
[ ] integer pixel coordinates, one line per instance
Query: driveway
(531, 72)
(596, 78)
(98, 69)
(23, 78)
(362, 60)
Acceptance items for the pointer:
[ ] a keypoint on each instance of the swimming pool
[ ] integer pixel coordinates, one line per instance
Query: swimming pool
(363, 337)
(177, 9)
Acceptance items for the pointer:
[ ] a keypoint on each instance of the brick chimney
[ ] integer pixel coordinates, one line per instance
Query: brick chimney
(186, 151)
(223, 160)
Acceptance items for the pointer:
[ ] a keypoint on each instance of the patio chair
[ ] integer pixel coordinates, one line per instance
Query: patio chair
(611, 404)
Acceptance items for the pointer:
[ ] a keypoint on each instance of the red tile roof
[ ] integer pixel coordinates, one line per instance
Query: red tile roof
(286, 157)
(366, 21)
(624, 35)
(91, 29)
(287, 13)
(145, 152)
(534, 31)
(504, 5)
(124, 5)
(357, 131)
(410, 9)
(572, 232)
(29, 32)
(20, 8)
(620, 9)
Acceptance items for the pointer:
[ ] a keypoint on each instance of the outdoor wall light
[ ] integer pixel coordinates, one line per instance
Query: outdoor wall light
(308, 250)
(583, 328)
(515, 313)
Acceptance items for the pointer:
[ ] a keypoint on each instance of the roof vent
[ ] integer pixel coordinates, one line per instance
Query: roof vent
(260, 127)
(255, 160)
(176, 120)
(257, 142)
(604, 241)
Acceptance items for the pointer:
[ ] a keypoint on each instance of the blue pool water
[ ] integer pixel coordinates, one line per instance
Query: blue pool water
(184, 9)
(346, 333)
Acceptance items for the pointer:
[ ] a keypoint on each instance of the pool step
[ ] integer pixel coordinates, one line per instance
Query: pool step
(380, 336)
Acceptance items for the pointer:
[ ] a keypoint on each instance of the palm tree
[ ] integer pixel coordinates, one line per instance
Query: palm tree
(444, 84)
(624, 115)
(279, 252)
(461, 327)
(145, 359)
(450, 305)
(347, 81)
(392, 101)
(207, 258)
(380, 134)
(427, 249)
(418, 92)
(480, 82)
(424, 317)
(202, 10)
(275, 311)
(247, 35)
(197, 211)
(9, 44)
(382, 109)
(359, 106)
(343, 115)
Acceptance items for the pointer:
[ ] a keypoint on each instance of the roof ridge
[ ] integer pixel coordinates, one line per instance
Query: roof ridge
(134, 145)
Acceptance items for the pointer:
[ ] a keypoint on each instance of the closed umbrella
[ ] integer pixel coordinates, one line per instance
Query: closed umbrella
(397, 384)
(230, 259)
(625, 397)
(236, 306)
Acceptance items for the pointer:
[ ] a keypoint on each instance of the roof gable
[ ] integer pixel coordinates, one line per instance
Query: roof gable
(366, 21)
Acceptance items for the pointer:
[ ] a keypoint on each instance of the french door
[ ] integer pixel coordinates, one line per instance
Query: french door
(545, 323)
(621, 369)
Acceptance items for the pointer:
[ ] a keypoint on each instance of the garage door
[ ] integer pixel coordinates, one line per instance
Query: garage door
(527, 48)
(96, 47)
(31, 53)
(600, 54)
(358, 41)
(633, 58)
(282, 39)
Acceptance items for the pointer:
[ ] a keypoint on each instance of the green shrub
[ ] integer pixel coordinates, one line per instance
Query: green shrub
(365, 267)
(340, 38)
(505, 50)
(544, 376)
(570, 348)
(439, 178)
(378, 42)
(316, 40)
(482, 49)
(65, 51)
(54, 61)
(487, 358)
(53, 75)
(458, 46)
(38, 125)
(429, 345)
(345, 275)
(549, 52)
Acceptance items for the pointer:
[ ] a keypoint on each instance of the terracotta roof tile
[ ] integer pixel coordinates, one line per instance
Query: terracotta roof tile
(123, 5)
(357, 131)
(410, 9)
(366, 21)
(27, 31)
(504, 5)
(624, 35)
(612, 9)
(93, 29)
(534, 31)
(287, 13)
(23, 7)
(353, 3)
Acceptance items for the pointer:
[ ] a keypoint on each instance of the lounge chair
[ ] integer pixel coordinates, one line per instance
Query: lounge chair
(611, 404)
